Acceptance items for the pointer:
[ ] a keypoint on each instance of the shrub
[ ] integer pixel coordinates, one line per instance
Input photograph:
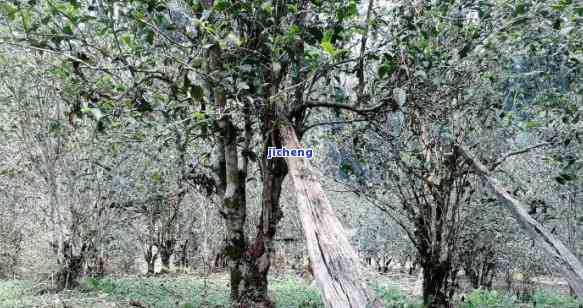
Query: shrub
(102, 285)
(484, 298)
(394, 298)
(554, 299)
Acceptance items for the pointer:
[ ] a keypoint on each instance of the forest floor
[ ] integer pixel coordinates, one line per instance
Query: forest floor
(183, 291)
(188, 291)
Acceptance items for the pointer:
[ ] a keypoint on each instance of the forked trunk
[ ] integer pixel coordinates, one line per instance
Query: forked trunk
(335, 263)
(569, 266)
(248, 263)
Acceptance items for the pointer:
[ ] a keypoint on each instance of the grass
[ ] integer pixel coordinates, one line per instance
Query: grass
(190, 292)
(487, 299)
(179, 291)
(395, 298)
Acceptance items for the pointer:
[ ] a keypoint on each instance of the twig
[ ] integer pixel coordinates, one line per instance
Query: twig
(362, 111)
(305, 129)
(514, 153)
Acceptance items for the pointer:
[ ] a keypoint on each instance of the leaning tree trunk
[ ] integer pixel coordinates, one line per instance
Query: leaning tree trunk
(569, 266)
(335, 263)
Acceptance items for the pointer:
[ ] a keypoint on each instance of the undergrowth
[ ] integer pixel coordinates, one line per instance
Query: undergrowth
(193, 292)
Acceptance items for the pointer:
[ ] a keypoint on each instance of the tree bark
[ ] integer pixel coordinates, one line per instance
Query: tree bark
(248, 262)
(434, 260)
(255, 268)
(569, 266)
(165, 255)
(234, 209)
(150, 258)
(72, 267)
(435, 283)
(335, 263)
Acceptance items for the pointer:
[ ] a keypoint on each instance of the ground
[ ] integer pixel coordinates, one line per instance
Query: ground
(189, 291)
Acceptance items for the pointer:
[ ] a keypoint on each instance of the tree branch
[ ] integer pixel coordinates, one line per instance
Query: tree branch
(305, 129)
(514, 153)
(363, 111)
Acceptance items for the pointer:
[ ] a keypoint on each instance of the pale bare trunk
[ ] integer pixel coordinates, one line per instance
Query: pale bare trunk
(335, 263)
(569, 266)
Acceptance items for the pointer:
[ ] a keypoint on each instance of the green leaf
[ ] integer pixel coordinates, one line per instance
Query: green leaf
(120, 88)
(127, 39)
(292, 8)
(9, 10)
(156, 177)
(139, 136)
(221, 5)
(520, 9)
(68, 29)
(348, 11)
(293, 31)
(328, 47)
(346, 167)
(267, 7)
(533, 123)
(199, 116)
(149, 36)
(197, 92)
(386, 69)
(561, 4)
(327, 37)
(25, 15)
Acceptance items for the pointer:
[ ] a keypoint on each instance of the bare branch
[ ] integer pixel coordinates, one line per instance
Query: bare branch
(514, 153)
(332, 123)
(363, 111)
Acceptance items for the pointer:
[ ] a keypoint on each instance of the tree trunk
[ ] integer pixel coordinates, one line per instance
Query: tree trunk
(248, 264)
(335, 263)
(72, 267)
(150, 258)
(165, 258)
(152, 266)
(434, 260)
(569, 266)
(257, 261)
(435, 280)
(166, 252)
(182, 261)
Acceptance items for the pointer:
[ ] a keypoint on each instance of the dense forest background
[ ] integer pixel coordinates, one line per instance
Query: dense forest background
(447, 143)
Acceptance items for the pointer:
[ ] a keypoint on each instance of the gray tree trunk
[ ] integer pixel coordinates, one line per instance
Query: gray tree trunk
(335, 264)
(569, 266)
